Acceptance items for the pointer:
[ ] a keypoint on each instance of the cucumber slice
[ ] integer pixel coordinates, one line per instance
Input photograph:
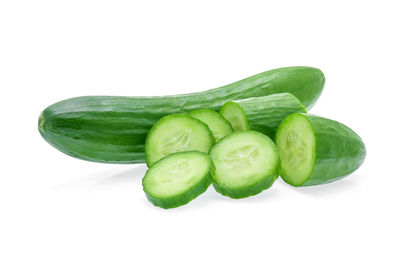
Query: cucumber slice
(177, 133)
(244, 164)
(315, 150)
(217, 124)
(177, 179)
(236, 116)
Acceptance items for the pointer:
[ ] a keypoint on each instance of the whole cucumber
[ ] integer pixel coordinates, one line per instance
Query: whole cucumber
(113, 129)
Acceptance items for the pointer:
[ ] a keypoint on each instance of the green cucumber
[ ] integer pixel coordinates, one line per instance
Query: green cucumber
(113, 129)
(217, 124)
(264, 114)
(314, 150)
(177, 179)
(244, 164)
(177, 133)
(236, 116)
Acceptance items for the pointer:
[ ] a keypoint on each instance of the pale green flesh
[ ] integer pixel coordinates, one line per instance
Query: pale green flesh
(177, 133)
(243, 158)
(176, 174)
(217, 124)
(236, 116)
(296, 145)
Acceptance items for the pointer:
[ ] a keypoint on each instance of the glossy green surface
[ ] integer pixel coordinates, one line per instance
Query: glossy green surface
(339, 151)
(177, 179)
(113, 129)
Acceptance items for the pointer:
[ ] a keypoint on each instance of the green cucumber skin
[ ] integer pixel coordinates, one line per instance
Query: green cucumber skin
(265, 114)
(184, 198)
(339, 151)
(244, 192)
(113, 129)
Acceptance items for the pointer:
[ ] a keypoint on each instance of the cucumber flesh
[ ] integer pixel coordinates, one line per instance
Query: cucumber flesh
(315, 150)
(236, 116)
(244, 164)
(177, 133)
(296, 143)
(177, 179)
(217, 124)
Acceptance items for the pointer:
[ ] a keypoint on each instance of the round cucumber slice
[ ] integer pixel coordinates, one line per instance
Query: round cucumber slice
(177, 133)
(244, 164)
(315, 150)
(217, 124)
(236, 116)
(296, 146)
(177, 179)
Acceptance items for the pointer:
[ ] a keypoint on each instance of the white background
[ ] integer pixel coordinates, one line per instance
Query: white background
(59, 211)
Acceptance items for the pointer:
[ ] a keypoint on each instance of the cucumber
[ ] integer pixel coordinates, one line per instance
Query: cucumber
(236, 116)
(244, 164)
(177, 133)
(177, 179)
(217, 124)
(113, 129)
(315, 150)
(264, 114)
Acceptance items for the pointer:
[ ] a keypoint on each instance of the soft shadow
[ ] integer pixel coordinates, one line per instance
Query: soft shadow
(112, 176)
(128, 176)
(212, 197)
(337, 187)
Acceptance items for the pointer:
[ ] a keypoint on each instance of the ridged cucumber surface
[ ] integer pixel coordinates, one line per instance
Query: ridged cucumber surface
(315, 150)
(244, 164)
(113, 129)
(265, 114)
(177, 179)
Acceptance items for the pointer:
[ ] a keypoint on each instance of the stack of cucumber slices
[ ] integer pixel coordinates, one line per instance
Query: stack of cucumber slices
(239, 137)
(186, 153)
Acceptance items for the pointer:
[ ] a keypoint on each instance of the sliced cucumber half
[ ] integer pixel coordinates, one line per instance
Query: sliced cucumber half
(177, 179)
(315, 150)
(236, 116)
(218, 125)
(244, 164)
(296, 146)
(177, 133)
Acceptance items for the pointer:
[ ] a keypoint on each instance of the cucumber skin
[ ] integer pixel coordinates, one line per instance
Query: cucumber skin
(265, 114)
(339, 151)
(113, 129)
(182, 199)
(244, 192)
(186, 197)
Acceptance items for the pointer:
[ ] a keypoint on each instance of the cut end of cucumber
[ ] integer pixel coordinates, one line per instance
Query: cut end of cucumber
(41, 123)
(244, 164)
(177, 133)
(218, 125)
(296, 145)
(177, 179)
(236, 116)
